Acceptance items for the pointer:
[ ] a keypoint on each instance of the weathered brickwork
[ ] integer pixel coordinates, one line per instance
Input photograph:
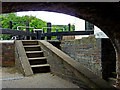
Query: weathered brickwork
(87, 51)
(98, 55)
(7, 55)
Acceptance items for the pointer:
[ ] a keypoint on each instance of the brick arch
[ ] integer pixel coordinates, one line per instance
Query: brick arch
(104, 15)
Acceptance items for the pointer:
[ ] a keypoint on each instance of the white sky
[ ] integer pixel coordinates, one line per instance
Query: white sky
(54, 18)
(58, 19)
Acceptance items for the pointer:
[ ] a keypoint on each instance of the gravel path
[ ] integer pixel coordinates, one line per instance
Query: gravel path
(13, 79)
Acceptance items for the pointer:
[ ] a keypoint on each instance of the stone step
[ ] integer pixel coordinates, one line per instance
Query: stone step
(42, 65)
(43, 68)
(38, 58)
(34, 51)
(29, 42)
(31, 46)
(36, 61)
(34, 54)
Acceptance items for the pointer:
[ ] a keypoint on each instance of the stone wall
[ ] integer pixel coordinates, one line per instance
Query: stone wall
(86, 51)
(7, 54)
(98, 55)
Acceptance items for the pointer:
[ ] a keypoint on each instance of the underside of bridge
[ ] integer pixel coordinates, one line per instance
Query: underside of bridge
(104, 15)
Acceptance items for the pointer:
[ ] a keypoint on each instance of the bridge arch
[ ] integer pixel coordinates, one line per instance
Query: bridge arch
(103, 15)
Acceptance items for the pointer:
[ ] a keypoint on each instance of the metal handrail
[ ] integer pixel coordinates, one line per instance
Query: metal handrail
(23, 26)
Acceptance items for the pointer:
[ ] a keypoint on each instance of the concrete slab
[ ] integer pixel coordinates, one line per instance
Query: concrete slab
(44, 80)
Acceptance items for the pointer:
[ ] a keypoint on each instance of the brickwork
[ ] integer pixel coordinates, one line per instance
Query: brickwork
(68, 37)
(86, 51)
(7, 57)
(94, 54)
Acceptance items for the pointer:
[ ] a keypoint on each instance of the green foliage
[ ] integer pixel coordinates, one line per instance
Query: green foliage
(33, 22)
(37, 23)
(63, 27)
(5, 37)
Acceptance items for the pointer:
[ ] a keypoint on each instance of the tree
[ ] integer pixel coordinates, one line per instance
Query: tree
(37, 23)
(33, 22)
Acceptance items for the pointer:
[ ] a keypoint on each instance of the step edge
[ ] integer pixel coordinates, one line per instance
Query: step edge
(40, 65)
(31, 46)
(37, 58)
(34, 51)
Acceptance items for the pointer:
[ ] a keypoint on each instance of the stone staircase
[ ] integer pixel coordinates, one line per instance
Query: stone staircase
(36, 58)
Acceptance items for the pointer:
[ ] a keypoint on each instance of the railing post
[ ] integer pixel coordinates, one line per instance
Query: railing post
(49, 30)
(69, 27)
(20, 37)
(42, 38)
(10, 24)
(32, 38)
(59, 37)
(27, 30)
(27, 24)
(39, 33)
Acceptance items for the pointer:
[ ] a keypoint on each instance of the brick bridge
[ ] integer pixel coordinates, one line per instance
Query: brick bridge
(103, 15)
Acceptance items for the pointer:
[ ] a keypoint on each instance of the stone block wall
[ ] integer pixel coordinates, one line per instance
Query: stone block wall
(98, 55)
(86, 51)
(7, 56)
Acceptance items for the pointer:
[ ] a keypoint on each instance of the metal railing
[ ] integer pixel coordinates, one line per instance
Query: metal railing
(40, 34)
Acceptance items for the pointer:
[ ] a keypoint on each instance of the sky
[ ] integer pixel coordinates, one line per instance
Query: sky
(59, 19)
(54, 18)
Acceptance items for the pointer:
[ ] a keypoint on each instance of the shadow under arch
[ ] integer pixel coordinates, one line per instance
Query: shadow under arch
(103, 15)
